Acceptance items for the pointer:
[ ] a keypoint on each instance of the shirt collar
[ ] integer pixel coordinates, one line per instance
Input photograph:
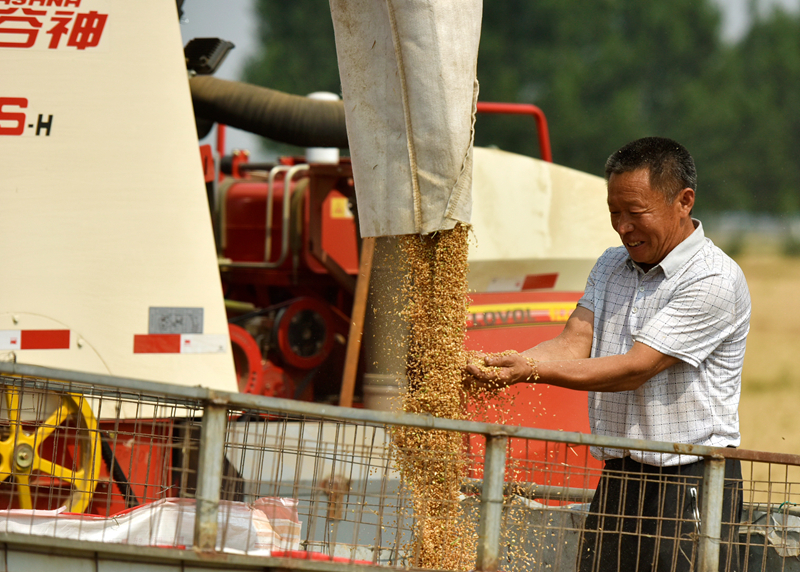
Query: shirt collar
(682, 253)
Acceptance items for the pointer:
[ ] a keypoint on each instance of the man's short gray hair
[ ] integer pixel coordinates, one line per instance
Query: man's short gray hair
(669, 164)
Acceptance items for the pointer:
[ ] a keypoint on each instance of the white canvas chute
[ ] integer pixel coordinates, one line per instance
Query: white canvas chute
(408, 72)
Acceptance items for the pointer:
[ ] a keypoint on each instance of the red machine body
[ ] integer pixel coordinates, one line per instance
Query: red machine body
(290, 257)
(245, 226)
(501, 321)
(322, 264)
(289, 251)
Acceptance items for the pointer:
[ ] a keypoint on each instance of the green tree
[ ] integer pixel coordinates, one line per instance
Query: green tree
(743, 121)
(605, 72)
(766, 134)
(299, 52)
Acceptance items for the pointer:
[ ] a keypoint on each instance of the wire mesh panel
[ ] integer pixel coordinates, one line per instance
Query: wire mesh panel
(59, 454)
(769, 534)
(548, 486)
(85, 462)
(89, 462)
(340, 473)
(643, 516)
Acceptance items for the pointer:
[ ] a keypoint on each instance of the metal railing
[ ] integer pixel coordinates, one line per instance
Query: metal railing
(117, 447)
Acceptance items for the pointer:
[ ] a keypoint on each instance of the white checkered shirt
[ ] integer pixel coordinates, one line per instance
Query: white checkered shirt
(695, 306)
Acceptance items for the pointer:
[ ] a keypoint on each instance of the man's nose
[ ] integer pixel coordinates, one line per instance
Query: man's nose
(624, 224)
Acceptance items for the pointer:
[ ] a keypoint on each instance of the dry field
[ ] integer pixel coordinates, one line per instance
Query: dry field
(770, 405)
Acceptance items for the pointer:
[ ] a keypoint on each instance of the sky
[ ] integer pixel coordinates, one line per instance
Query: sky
(234, 20)
(735, 14)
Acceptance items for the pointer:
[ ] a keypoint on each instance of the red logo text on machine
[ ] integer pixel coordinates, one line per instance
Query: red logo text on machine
(49, 24)
(14, 119)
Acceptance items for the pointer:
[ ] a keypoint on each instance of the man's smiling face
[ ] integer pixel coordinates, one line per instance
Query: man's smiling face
(648, 226)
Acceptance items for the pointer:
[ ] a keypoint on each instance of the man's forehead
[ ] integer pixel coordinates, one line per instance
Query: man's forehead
(629, 182)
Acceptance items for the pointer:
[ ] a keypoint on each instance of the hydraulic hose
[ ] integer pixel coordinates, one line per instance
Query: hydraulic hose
(282, 117)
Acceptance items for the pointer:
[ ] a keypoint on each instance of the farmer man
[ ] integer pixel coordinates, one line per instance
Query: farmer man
(658, 341)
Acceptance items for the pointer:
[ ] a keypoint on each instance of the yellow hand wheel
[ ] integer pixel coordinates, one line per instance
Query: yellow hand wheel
(53, 462)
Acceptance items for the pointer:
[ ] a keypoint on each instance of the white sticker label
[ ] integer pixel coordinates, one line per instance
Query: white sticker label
(10, 339)
(202, 344)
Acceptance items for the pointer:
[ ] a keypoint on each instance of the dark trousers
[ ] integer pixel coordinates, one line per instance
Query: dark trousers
(645, 518)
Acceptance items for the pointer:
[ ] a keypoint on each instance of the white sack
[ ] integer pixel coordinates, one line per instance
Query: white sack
(408, 71)
(268, 524)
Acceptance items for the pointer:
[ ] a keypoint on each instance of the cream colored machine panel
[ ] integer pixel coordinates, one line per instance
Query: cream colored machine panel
(104, 213)
(531, 217)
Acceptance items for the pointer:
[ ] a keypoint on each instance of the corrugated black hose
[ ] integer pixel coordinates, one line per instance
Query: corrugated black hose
(279, 116)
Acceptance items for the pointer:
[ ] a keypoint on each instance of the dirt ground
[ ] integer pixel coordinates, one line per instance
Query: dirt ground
(770, 406)
(769, 410)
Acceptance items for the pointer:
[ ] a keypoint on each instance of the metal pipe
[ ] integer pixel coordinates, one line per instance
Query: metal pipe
(304, 121)
(494, 471)
(220, 140)
(523, 109)
(291, 172)
(385, 339)
(711, 514)
(256, 166)
(533, 491)
(273, 173)
(209, 476)
(287, 211)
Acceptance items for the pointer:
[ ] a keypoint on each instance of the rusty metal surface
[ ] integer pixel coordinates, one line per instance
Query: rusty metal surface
(492, 505)
(209, 479)
(421, 421)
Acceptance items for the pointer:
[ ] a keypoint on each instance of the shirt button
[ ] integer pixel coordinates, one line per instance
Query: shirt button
(635, 310)
(641, 288)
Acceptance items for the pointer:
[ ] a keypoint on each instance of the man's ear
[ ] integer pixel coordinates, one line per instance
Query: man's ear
(686, 200)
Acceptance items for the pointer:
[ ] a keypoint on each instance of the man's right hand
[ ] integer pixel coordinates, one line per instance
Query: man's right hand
(499, 370)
